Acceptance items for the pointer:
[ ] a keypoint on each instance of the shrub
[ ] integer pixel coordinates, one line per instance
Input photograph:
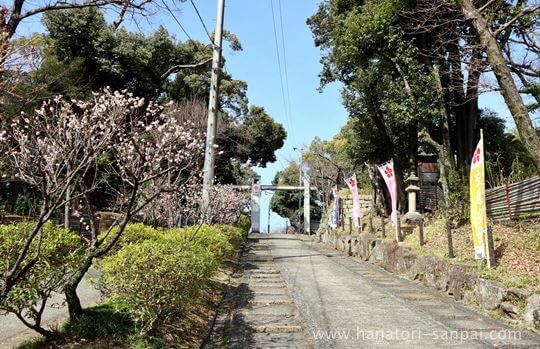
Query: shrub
(236, 235)
(244, 223)
(61, 252)
(157, 279)
(156, 274)
(138, 232)
(208, 237)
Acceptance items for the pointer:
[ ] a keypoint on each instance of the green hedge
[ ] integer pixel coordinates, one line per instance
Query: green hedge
(157, 274)
(61, 252)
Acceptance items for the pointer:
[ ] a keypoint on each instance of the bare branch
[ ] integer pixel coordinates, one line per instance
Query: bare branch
(488, 4)
(176, 68)
(523, 13)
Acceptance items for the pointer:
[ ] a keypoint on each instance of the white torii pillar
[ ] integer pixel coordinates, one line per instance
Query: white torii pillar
(256, 189)
(256, 207)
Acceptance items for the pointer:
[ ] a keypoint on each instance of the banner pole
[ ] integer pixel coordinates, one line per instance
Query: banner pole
(487, 239)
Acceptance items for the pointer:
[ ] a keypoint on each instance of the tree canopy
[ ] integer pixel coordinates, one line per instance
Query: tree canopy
(413, 72)
(81, 53)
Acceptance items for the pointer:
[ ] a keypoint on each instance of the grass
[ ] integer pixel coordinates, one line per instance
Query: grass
(101, 326)
(517, 248)
(517, 251)
(107, 326)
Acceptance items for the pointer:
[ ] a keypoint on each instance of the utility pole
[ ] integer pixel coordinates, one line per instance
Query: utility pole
(213, 108)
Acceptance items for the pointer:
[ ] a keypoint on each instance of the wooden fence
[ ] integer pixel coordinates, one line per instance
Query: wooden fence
(430, 198)
(514, 201)
(78, 224)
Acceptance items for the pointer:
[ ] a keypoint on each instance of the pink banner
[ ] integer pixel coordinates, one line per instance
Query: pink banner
(387, 171)
(334, 218)
(352, 184)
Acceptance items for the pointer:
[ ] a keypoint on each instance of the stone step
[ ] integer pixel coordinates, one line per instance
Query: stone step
(266, 283)
(260, 266)
(277, 329)
(279, 340)
(272, 309)
(280, 293)
(267, 299)
(272, 320)
(265, 272)
(266, 277)
(257, 258)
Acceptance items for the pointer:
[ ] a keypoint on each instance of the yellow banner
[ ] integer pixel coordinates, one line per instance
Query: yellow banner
(478, 201)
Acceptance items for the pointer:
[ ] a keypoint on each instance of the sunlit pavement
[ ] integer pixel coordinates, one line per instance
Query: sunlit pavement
(346, 303)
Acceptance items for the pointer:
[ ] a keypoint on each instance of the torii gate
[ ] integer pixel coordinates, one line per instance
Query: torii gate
(257, 188)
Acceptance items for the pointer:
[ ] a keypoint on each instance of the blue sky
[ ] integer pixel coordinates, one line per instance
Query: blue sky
(311, 113)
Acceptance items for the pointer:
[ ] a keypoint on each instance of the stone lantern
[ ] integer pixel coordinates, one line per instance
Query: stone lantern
(412, 190)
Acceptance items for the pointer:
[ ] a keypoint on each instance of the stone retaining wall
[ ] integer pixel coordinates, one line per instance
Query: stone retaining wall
(456, 280)
(347, 206)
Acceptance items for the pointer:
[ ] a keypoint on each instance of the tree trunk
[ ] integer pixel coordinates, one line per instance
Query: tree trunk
(412, 138)
(453, 76)
(73, 302)
(377, 196)
(75, 308)
(413, 149)
(444, 150)
(476, 69)
(509, 90)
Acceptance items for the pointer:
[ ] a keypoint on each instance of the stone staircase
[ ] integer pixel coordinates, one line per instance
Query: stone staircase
(259, 311)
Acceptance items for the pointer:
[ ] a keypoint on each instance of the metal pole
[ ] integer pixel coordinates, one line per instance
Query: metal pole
(399, 237)
(269, 219)
(300, 184)
(341, 212)
(213, 107)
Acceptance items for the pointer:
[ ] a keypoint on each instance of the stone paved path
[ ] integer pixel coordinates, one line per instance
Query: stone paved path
(345, 303)
(13, 332)
(260, 312)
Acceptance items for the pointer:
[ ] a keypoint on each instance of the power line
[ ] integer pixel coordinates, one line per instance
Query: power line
(207, 31)
(285, 64)
(202, 21)
(279, 65)
(176, 20)
(194, 42)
